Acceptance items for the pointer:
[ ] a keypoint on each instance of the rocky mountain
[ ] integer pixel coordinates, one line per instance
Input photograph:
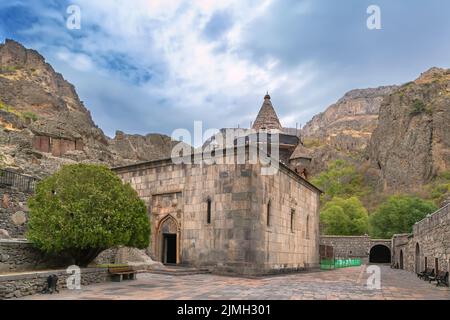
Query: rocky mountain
(43, 123)
(398, 137)
(344, 129)
(411, 144)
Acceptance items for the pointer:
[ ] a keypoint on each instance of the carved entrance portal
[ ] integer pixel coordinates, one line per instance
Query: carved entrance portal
(167, 241)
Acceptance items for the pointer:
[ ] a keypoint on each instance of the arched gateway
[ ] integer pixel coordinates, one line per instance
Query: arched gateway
(380, 254)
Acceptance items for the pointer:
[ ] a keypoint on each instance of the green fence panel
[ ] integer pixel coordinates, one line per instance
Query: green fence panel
(327, 264)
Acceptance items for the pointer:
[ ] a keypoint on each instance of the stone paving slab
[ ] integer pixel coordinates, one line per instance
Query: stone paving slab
(341, 284)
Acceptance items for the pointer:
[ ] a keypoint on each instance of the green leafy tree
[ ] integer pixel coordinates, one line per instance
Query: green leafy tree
(398, 215)
(346, 217)
(341, 179)
(84, 209)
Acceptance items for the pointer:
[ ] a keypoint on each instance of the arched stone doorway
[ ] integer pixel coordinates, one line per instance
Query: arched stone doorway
(167, 241)
(401, 259)
(417, 258)
(380, 254)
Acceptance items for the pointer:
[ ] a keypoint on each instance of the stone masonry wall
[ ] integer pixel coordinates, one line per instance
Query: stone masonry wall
(348, 246)
(24, 284)
(430, 239)
(13, 211)
(19, 255)
(282, 246)
(353, 246)
(235, 240)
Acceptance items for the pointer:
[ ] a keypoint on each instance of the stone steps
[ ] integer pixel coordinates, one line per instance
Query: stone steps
(180, 271)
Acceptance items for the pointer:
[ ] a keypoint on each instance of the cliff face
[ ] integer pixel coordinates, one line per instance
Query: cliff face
(136, 148)
(411, 144)
(43, 123)
(344, 129)
(397, 136)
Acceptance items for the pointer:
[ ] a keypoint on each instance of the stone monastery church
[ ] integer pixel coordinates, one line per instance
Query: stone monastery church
(229, 217)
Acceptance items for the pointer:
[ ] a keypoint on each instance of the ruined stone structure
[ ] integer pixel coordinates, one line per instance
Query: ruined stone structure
(56, 146)
(368, 250)
(428, 245)
(229, 217)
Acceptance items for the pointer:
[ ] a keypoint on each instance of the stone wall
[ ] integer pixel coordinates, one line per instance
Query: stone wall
(13, 211)
(237, 239)
(107, 256)
(428, 245)
(19, 255)
(24, 284)
(353, 246)
(348, 246)
(285, 243)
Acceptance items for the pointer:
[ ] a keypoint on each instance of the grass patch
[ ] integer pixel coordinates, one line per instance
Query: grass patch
(312, 143)
(27, 115)
(9, 68)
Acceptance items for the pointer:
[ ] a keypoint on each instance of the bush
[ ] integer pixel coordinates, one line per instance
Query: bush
(341, 179)
(439, 189)
(398, 215)
(30, 115)
(312, 143)
(345, 217)
(84, 209)
(418, 107)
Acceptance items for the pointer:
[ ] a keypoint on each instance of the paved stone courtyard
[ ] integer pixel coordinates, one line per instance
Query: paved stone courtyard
(345, 284)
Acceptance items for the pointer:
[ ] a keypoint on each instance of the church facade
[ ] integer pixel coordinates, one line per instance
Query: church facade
(229, 217)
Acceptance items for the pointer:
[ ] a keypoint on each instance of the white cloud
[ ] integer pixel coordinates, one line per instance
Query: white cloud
(77, 61)
(172, 32)
(190, 77)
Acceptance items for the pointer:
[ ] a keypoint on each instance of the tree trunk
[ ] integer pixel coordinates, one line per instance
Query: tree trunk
(83, 257)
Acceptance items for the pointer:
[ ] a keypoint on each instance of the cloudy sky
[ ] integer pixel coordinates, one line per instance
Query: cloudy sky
(146, 66)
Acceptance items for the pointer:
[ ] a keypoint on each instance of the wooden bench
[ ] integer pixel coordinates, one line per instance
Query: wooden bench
(428, 272)
(440, 278)
(122, 273)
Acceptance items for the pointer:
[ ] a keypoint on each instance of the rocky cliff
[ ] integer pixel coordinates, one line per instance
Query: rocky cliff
(43, 123)
(136, 148)
(344, 129)
(411, 143)
(397, 136)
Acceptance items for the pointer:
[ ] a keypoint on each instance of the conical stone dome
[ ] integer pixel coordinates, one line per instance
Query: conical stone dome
(267, 118)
